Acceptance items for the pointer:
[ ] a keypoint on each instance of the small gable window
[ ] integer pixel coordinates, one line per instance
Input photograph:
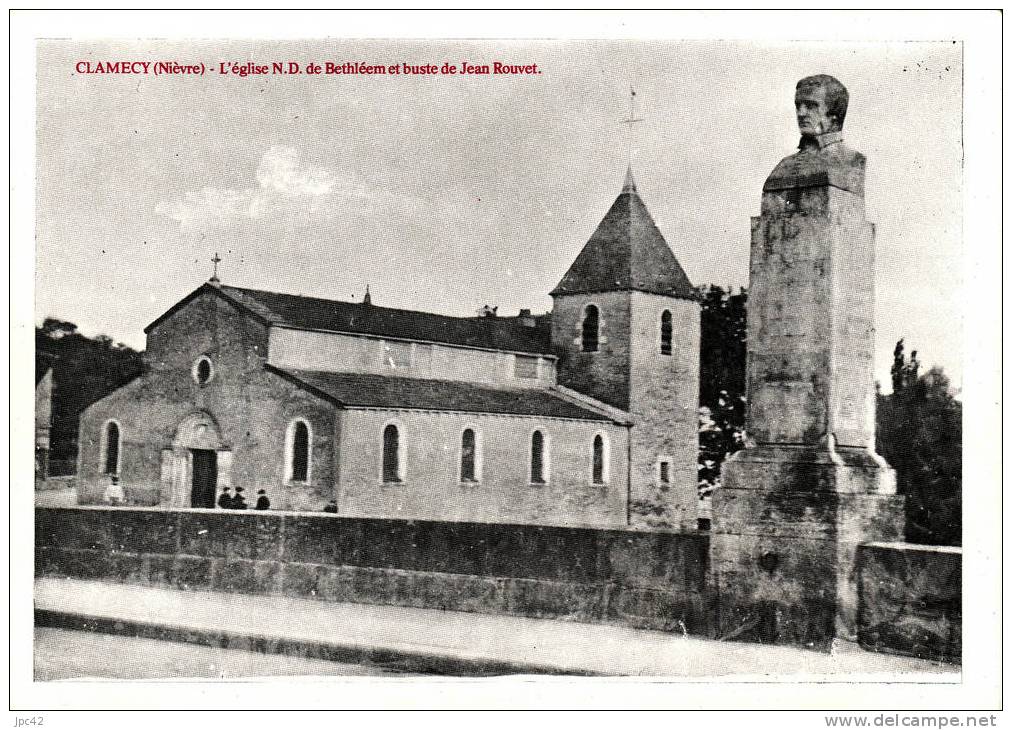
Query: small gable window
(590, 333)
(298, 441)
(526, 367)
(111, 444)
(664, 472)
(539, 458)
(469, 456)
(203, 370)
(666, 333)
(392, 459)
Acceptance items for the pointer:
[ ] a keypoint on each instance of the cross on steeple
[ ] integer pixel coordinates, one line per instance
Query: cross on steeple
(216, 260)
(632, 119)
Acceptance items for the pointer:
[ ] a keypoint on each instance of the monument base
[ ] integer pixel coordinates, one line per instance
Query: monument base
(786, 525)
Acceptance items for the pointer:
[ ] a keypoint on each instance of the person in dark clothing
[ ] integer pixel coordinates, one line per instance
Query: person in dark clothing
(262, 501)
(225, 500)
(331, 507)
(238, 501)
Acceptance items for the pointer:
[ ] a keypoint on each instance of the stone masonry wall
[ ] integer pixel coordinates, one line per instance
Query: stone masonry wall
(910, 595)
(911, 600)
(603, 375)
(664, 404)
(640, 579)
(432, 488)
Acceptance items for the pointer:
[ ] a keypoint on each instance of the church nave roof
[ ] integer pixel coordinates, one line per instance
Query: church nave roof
(300, 312)
(381, 391)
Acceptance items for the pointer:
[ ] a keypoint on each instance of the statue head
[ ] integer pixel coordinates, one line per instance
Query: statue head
(821, 105)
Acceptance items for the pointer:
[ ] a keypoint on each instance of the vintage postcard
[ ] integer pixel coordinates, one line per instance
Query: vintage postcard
(632, 361)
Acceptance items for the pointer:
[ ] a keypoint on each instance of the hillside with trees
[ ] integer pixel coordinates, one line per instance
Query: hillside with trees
(85, 369)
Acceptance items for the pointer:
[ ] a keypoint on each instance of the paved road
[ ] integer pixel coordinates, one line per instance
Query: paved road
(61, 654)
(471, 643)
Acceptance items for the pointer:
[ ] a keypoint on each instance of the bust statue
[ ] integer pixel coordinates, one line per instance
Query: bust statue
(820, 103)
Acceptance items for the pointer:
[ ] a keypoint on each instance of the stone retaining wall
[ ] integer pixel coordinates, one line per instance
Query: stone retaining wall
(909, 595)
(642, 579)
(911, 600)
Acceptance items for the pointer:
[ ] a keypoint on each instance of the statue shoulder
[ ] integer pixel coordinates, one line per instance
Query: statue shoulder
(836, 165)
(841, 154)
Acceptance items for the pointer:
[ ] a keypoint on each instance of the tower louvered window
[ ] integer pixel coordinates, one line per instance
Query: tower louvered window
(666, 333)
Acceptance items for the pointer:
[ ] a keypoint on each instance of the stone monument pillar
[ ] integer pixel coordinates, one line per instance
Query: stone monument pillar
(808, 487)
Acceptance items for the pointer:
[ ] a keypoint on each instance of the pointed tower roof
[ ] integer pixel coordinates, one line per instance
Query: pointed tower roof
(627, 253)
(629, 186)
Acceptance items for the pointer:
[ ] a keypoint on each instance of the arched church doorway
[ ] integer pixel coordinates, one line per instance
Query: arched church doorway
(198, 466)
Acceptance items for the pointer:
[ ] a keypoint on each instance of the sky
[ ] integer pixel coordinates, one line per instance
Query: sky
(444, 193)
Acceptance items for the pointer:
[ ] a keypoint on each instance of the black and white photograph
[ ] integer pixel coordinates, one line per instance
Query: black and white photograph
(599, 358)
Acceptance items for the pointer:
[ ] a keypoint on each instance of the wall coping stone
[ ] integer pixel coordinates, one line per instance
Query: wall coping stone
(948, 549)
(330, 516)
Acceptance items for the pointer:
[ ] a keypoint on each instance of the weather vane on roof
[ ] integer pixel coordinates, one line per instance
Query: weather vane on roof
(632, 119)
(216, 260)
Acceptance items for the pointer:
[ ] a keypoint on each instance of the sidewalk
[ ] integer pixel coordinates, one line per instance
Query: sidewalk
(446, 642)
(61, 497)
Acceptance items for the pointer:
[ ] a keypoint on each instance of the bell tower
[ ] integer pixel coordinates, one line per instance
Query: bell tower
(626, 323)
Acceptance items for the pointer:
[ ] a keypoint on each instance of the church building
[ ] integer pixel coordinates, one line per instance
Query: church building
(586, 415)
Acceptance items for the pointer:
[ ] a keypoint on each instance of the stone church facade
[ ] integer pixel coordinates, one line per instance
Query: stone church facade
(583, 416)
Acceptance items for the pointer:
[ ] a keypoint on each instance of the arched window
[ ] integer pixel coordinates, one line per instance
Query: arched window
(299, 453)
(111, 443)
(468, 456)
(599, 460)
(666, 332)
(392, 471)
(539, 458)
(591, 324)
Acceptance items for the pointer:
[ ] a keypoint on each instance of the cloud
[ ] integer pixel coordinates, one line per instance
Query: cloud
(279, 172)
(285, 191)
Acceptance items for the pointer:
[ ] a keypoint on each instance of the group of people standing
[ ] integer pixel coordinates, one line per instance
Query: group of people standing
(226, 500)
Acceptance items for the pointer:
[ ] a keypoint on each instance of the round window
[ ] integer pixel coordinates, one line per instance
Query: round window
(202, 370)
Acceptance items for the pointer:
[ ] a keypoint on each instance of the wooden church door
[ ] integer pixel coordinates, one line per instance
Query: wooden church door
(205, 478)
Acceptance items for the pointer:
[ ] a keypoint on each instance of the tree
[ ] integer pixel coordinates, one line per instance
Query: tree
(721, 381)
(57, 328)
(919, 431)
(84, 370)
(903, 373)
